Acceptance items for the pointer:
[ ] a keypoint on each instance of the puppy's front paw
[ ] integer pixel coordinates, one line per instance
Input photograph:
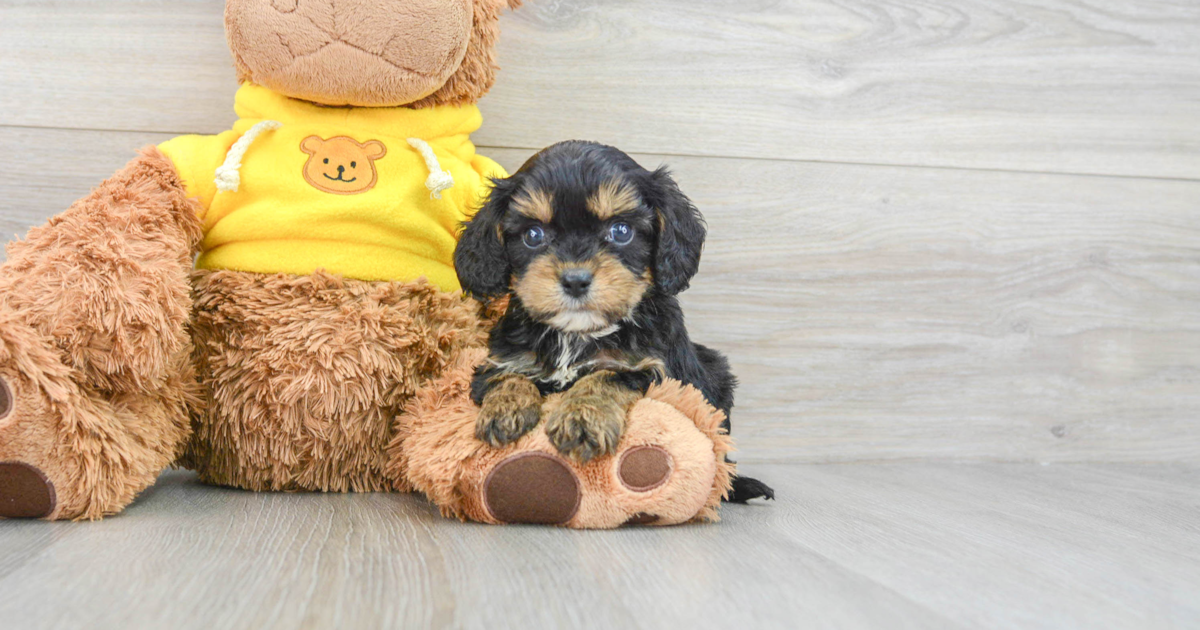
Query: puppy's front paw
(510, 409)
(585, 427)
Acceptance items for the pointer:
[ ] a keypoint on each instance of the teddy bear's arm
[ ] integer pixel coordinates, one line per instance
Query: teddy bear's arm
(108, 279)
(196, 160)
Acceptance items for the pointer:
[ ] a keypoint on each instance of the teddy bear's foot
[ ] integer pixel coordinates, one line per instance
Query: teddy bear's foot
(30, 482)
(68, 455)
(539, 488)
(663, 473)
(25, 492)
(65, 457)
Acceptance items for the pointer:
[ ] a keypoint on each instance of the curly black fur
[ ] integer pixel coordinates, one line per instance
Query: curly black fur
(639, 345)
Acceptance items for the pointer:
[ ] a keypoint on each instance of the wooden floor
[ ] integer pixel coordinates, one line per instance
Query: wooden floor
(846, 546)
(954, 258)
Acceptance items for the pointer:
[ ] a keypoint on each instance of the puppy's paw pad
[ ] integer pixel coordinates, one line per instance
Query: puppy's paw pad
(498, 428)
(25, 492)
(645, 468)
(533, 488)
(512, 409)
(586, 428)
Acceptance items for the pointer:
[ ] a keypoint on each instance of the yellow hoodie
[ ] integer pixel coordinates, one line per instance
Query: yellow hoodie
(368, 193)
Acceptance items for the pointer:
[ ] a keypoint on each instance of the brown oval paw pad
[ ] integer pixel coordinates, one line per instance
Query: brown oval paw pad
(7, 398)
(534, 488)
(642, 518)
(25, 492)
(645, 468)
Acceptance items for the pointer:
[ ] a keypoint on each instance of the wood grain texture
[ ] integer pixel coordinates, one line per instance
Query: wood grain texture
(879, 313)
(127, 65)
(1091, 86)
(846, 546)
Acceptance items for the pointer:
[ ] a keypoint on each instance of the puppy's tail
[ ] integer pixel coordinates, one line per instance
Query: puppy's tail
(746, 488)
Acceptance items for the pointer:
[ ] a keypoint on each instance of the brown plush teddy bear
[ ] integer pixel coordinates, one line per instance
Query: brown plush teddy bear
(276, 306)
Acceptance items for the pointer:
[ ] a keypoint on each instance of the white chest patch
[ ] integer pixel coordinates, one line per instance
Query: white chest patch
(566, 370)
(567, 366)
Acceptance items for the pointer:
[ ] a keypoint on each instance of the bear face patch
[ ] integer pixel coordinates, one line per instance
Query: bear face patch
(342, 165)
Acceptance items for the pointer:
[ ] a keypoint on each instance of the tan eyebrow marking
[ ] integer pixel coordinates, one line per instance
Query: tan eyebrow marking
(612, 198)
(536, 204)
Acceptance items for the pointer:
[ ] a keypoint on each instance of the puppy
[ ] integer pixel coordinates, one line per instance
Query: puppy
(593, 249)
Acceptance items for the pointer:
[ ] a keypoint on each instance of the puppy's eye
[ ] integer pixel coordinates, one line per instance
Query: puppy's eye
(534, 237)
(620, 233)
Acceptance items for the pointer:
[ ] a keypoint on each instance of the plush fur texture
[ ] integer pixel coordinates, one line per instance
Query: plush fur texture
(593, 249)
(437, 451)
(121, 360)
(93, 313)
(306, 375)
(416, 53)
(117, 299)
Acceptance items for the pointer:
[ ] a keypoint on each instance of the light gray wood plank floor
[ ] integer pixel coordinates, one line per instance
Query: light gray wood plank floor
(915, 545)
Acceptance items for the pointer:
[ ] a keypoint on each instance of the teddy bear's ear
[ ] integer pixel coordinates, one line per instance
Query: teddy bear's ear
(311, 144)
(375, 149)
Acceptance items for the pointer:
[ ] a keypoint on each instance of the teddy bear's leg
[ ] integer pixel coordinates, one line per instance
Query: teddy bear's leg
(306, 374)
(95, 374)
(669, 466)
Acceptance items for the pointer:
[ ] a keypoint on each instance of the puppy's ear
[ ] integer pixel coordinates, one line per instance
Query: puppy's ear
(681, 232)
(480, 258)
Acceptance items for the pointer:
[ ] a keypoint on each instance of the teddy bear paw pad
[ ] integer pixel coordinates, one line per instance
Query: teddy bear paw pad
(642, 518)
(645, 468)
(534, 488)
(25, 492)
(7, 400)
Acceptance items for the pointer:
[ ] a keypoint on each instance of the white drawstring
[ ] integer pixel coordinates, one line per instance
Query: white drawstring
(438, 179)
(229, 177)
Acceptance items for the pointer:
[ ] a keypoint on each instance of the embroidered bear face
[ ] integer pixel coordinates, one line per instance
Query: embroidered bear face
(342, 165)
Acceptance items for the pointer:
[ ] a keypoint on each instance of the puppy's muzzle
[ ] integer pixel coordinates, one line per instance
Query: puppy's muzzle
(576, 282)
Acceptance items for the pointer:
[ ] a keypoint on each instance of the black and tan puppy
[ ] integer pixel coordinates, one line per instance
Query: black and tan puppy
(593, 249)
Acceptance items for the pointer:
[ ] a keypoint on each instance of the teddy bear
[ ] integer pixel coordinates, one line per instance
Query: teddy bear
(276, 307)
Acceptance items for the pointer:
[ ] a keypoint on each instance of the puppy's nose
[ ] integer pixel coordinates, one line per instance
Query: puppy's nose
(576, 282)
